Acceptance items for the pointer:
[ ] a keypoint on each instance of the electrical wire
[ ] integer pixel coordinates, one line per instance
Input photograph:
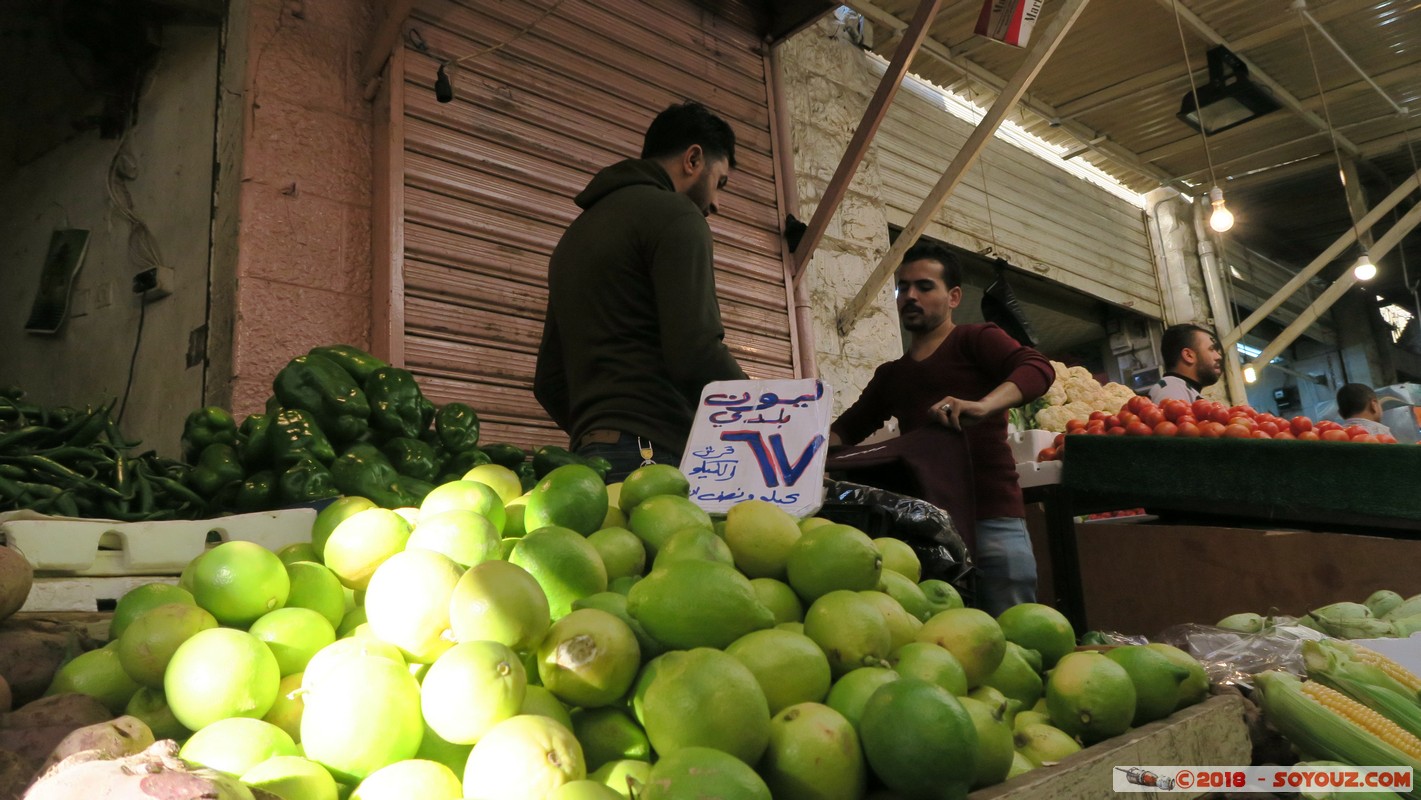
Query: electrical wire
(496, 47)
(1194, 92)
(132, 362)
(1332, 135)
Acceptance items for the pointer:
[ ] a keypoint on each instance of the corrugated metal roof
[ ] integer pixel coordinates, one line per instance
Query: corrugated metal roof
(1119, 76)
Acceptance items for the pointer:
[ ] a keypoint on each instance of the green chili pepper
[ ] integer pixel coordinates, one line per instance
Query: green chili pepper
(216, 467)
(318, 385)
(394, 402)
(305, 481)
(294, 435)
(412, 458)
(353, 360)
(458, 427)
(205, 426)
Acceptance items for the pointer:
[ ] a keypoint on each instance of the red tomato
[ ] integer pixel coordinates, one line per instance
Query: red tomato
(1046, 454)
(1268, 426)
(1187, 418)
(1115, 431)
(1300, 424)
(1284, 435)
(1353, 431)
(1152, 417)
(1327, 425)
(1308, 436)
(1127, 417)
(1246, 422)
(1138, 403)
(1234, 431)
(1095, 426)
(1188, 430)
(1200, 408)
(1261, 435)
(1174, 409)
(1335, 435)
(1113, 421)
(1073, 425)
(1166, 428)
(1219, 414)
(1138, 429)
(1059, 441)
(1245, 411)
(1370, 438)
(1386, 438)
(1211, 430)
(1097, 415)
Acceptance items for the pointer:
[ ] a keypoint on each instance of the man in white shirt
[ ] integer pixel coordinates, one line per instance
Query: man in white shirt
(1359, 406)
(1193, 361)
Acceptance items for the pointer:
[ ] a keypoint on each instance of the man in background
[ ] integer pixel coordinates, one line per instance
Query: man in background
(1193, 362)
(633, 331)
(963, 377)
(1360, 406)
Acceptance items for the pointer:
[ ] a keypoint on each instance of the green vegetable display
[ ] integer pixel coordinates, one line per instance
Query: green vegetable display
(319, 385)
(207, 426)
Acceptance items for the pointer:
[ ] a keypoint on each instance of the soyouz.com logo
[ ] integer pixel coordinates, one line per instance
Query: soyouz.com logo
(1260, 779)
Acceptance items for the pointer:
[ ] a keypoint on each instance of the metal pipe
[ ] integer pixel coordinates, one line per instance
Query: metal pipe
(1383, 245)
(1218, 304)
(1301, 6)
(1005, 102)
(1326, 257)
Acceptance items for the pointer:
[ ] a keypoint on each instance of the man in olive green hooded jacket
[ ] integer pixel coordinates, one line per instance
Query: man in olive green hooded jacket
(633, 331)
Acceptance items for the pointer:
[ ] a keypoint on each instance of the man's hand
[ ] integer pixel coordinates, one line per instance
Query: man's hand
(957, 413)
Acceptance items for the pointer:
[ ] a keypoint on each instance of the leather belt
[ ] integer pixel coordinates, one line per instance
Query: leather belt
(598, 436)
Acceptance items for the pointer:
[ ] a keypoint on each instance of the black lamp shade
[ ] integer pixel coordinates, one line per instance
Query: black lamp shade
(1229, 99)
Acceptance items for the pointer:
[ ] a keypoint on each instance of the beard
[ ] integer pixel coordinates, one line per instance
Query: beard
(916, 320)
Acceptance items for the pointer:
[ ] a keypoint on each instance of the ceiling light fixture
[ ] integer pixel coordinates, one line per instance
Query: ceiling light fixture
(1250, 375)
(1228, 100)
(1364, 269)
(1221, 219)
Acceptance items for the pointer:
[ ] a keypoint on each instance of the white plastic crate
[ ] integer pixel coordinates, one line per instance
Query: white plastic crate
(1026, 444)
(1038, 473)
(73, 546)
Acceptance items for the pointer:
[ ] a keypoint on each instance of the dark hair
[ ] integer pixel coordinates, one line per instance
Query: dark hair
(1178, 337)
(679, 127)
(1353, 399)
(932, 251)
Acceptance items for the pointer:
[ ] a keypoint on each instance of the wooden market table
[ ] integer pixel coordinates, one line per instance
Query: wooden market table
(1223, 490)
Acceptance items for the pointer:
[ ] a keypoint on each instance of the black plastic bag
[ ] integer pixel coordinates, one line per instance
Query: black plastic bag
(921, 525)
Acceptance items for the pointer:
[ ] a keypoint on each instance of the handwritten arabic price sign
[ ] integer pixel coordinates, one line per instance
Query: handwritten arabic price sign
(760, 440)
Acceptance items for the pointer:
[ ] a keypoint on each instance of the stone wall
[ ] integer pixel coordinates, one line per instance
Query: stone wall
(827, 87)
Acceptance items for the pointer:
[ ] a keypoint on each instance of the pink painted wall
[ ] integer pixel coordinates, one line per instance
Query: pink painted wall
(303, 266)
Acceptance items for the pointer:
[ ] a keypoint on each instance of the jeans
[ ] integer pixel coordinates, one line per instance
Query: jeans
(625, 455)
(1006, 566)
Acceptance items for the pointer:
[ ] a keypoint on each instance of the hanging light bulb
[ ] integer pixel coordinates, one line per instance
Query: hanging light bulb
(1221, 219)
(1364, 269)
(1250, 375)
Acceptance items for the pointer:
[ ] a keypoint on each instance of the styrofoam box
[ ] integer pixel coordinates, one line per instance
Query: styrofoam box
(1038, 473)
(1026, 444)
(105, 547)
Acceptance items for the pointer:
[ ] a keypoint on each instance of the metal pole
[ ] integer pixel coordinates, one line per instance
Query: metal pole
(1005, 102)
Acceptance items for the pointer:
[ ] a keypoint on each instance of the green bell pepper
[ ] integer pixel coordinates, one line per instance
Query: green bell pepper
(526, 476)
(254, 441)
(216, 467)
(411, 490)
(412, 458)
(257, 492)
(205, 426)
(305, 481)
(460, 463)
(458, 427)
(394, 402)
(599, 465)
(353, 360)
(426, 413)
(363, 471)
(505, 455)
(294, 436)
(549, 457)
(318, 385)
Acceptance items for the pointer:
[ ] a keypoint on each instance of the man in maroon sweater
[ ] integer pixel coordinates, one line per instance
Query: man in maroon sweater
(964, 377)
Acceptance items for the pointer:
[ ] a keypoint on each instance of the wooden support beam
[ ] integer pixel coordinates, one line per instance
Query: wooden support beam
(1326, 257)
(1007, 98)
(863, 135)
(387, 35)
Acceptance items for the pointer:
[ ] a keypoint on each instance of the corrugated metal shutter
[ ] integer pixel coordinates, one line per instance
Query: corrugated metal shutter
(488, 181)
(1041, 218)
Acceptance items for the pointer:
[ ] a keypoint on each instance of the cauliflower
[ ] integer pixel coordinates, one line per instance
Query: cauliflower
(1083, 390)
(1056, 395)
(1053, 418)
(1115, 395)
(1062, 371)
(1080, 411)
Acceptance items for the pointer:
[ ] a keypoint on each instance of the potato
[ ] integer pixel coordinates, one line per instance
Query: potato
(31, 651)
(36, 729)
(116, 738)
(16, 578)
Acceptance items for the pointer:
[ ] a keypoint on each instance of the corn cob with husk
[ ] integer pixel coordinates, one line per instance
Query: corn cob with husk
(1368, 677)
(1324, 723)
